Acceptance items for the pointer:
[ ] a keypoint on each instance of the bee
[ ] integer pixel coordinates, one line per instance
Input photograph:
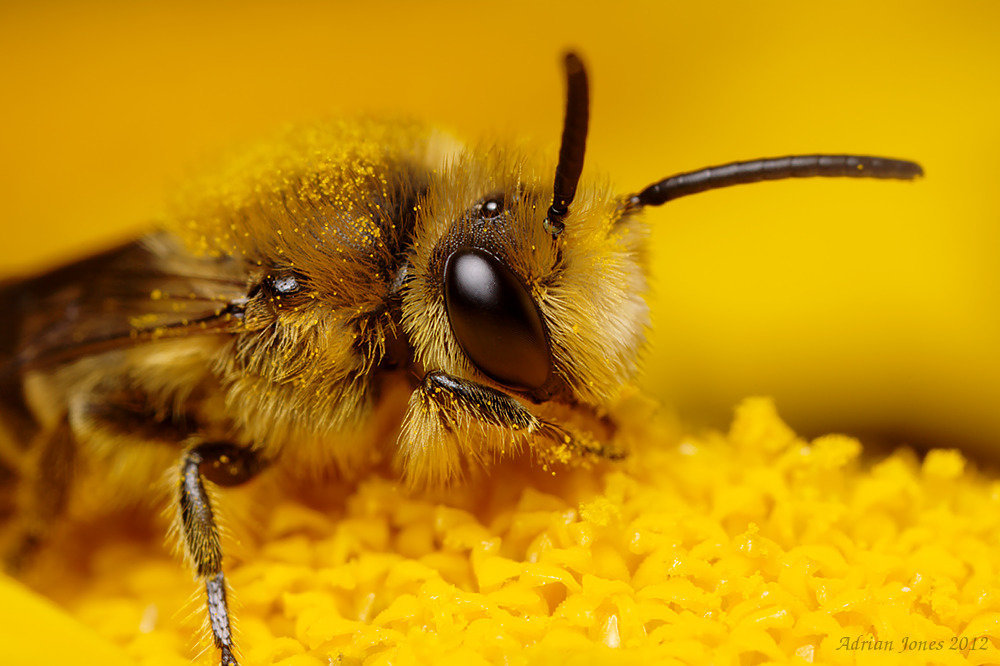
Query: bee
(362, 280)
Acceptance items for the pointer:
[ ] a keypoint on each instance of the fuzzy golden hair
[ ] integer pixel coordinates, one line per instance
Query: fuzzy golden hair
(326, 202)
(589, 285)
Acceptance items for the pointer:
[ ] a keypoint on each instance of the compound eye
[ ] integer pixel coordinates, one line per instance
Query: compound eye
(495, 320)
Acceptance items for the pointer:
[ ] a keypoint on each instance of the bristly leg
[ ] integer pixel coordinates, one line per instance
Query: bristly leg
(452, 420)
(226, 465)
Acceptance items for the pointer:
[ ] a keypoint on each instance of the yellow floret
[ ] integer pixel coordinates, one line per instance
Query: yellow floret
(753, 547)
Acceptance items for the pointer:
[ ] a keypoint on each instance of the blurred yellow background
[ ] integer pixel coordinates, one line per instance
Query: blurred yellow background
(862, 307)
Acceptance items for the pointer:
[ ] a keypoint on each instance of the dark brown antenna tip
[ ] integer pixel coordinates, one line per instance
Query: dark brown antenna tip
(574, 143)
(773, 168)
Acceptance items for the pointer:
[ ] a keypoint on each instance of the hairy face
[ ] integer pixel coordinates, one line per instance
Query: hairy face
(587, 285)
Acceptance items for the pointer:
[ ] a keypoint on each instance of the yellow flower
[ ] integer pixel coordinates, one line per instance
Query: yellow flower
(751, 547)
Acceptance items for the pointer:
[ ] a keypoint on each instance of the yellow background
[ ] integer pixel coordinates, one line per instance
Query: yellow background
(863, 307)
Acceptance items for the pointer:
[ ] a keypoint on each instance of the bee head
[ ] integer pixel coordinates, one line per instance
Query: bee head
(495, 297)
(522, 282)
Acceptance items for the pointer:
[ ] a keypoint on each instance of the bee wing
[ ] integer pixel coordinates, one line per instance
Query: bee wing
(141, 291)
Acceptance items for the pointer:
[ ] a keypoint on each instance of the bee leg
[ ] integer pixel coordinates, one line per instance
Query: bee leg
(444, 404)
(48, 478)
(225, 465)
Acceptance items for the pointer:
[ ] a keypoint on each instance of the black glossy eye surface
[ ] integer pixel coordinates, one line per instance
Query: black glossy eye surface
(495, 320)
